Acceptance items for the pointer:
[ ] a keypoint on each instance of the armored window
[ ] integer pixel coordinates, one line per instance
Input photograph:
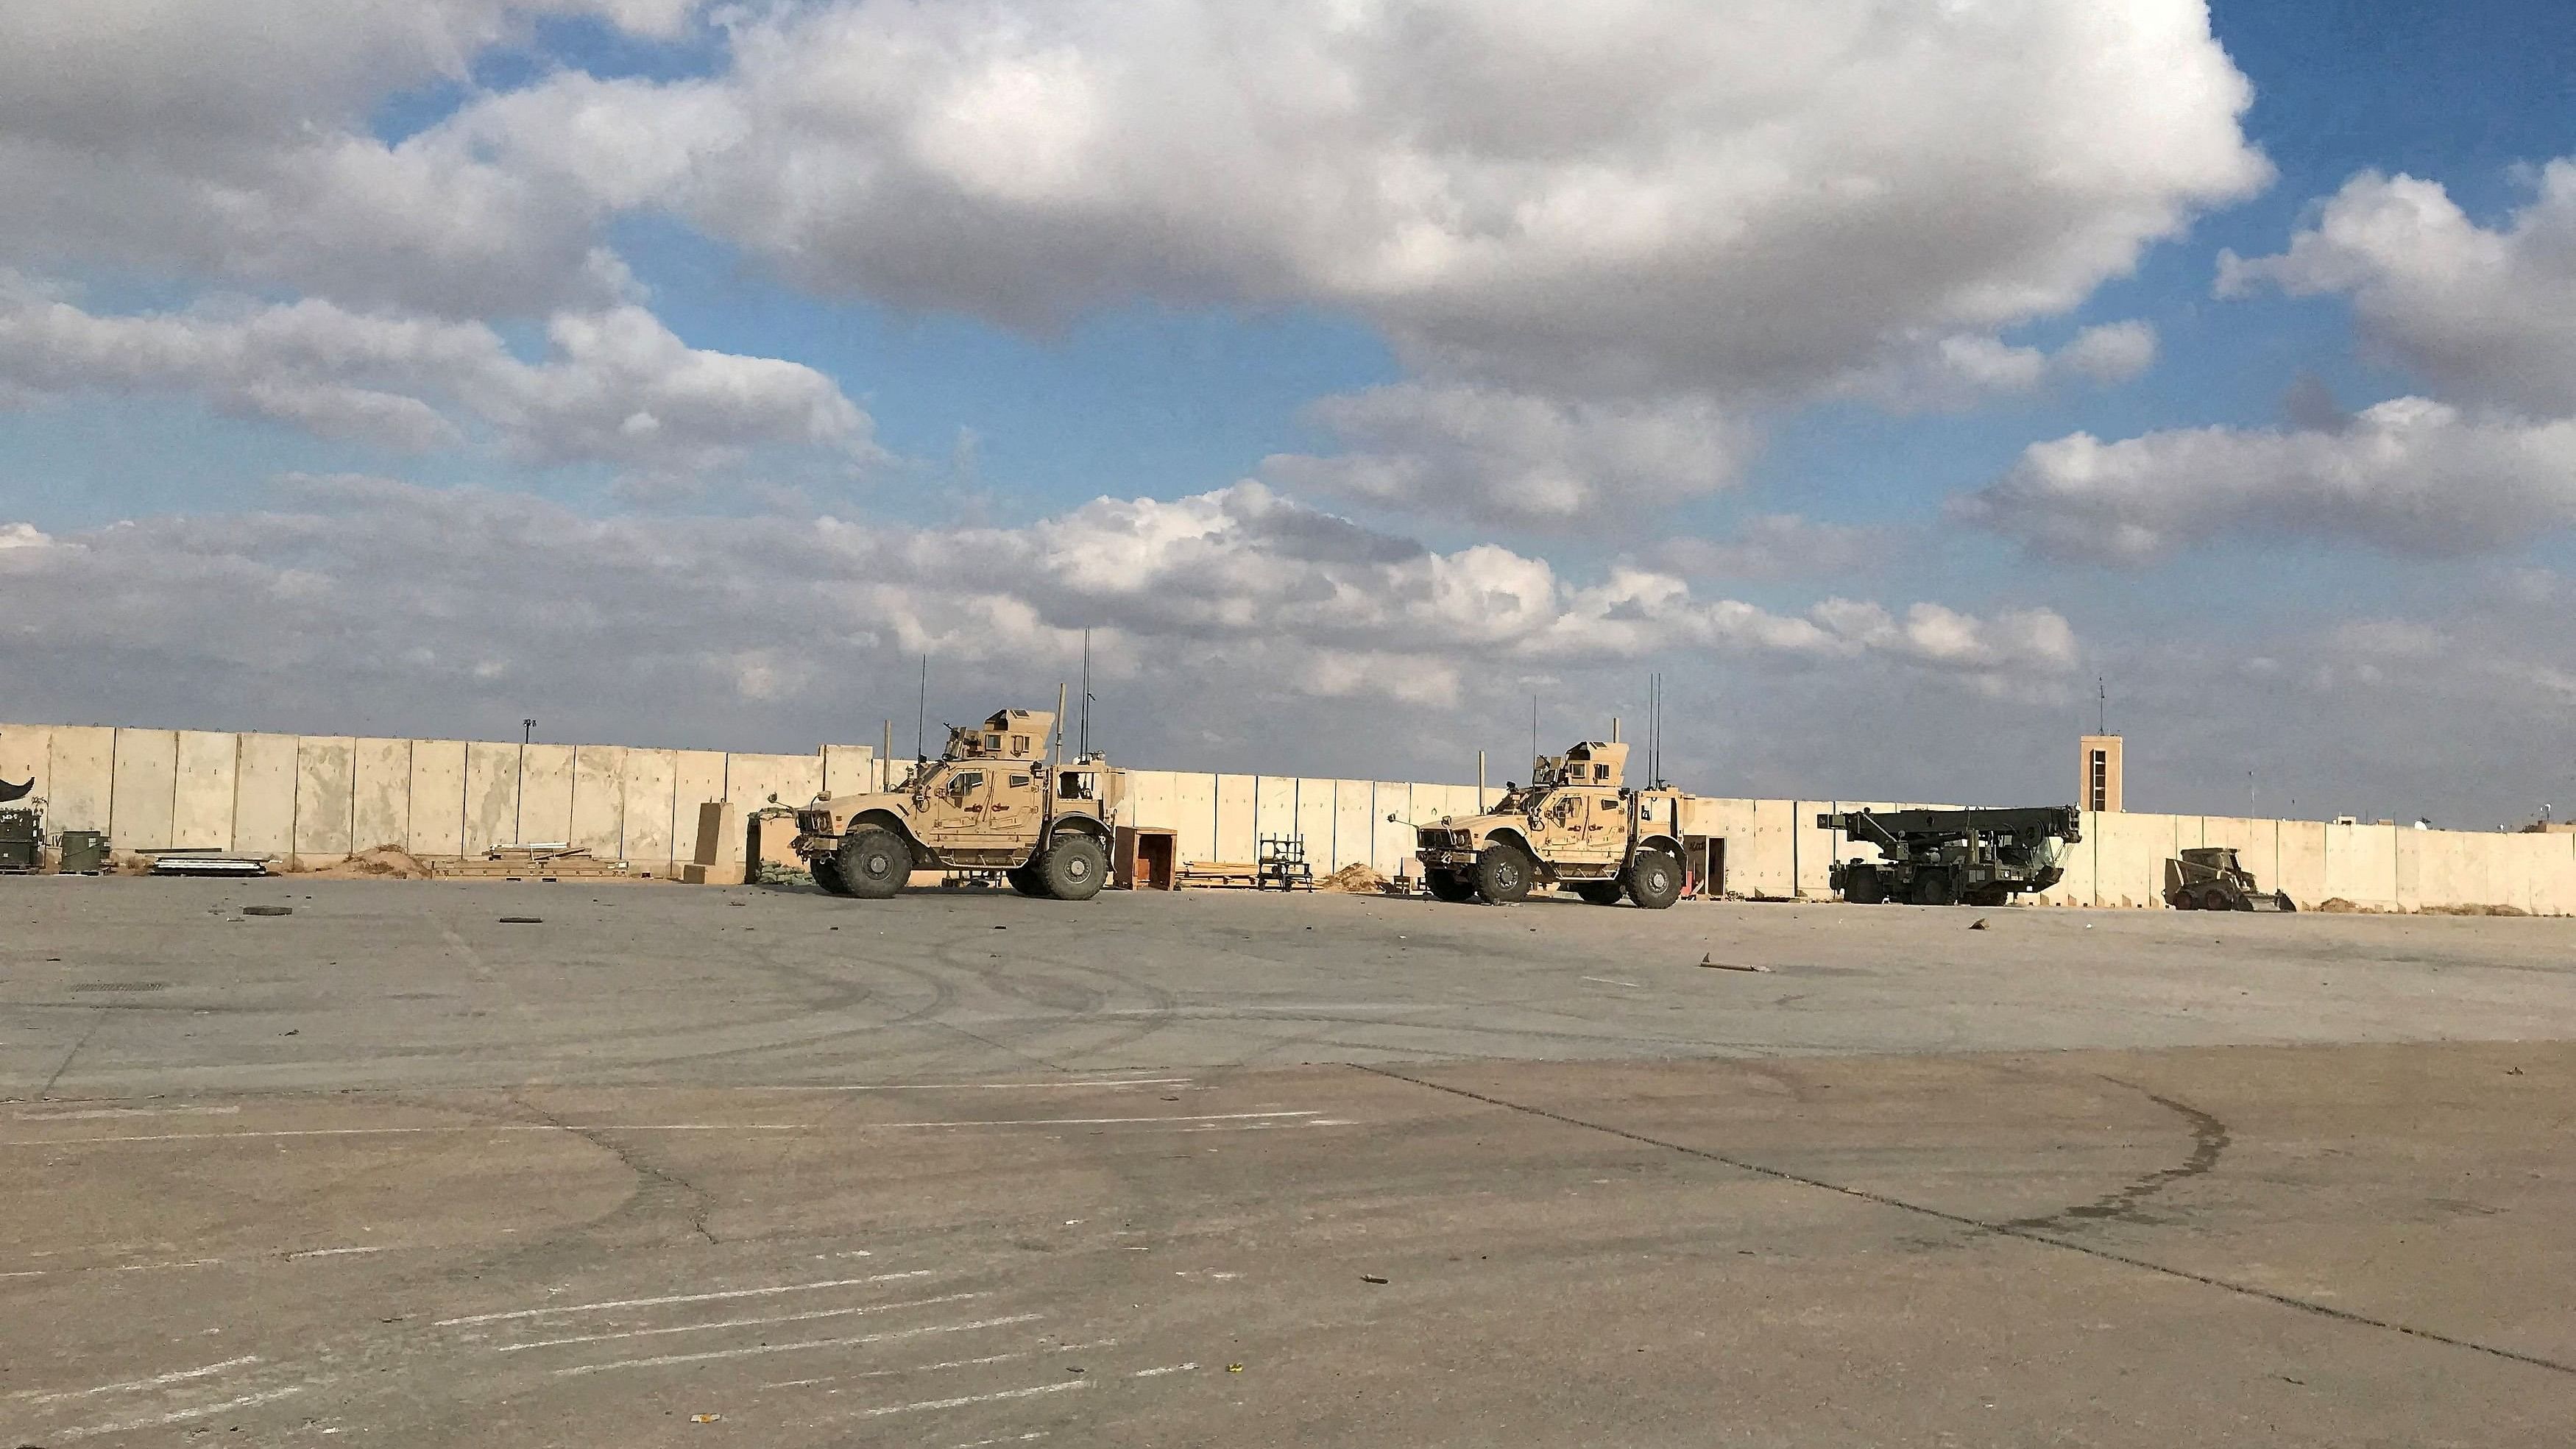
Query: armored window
(1601, 772)
(1019, 782)
(1609, 805)
(965, 783)
(1076, 786)
(993, 742)
(1019, 745)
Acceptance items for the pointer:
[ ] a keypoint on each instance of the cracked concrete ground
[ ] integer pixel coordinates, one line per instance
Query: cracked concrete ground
(695, 1167)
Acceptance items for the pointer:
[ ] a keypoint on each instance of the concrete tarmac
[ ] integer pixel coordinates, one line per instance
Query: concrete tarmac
(674, 1166)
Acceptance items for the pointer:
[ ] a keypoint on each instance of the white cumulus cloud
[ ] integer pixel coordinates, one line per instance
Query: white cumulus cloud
(2410, 476)
(617, 386)
(2482, 314)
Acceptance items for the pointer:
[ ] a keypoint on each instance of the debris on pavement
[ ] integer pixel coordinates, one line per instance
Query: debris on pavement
(268, 910)
(1712, 963)
(1979, 925)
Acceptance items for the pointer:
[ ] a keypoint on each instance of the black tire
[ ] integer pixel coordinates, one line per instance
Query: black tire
(1654, 879)
(873, 863)
(1936, 888)
(2186, 900)
(1024, 879)
(827, 874)
(1449, 885)
(1599, 892)
(1988, 897)
(1864, 886)
(1503, 875)
(1073, 868)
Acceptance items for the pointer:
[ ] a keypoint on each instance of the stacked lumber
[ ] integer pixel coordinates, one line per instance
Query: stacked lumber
(531, 862)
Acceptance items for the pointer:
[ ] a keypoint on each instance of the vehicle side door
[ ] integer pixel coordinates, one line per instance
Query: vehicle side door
(1015, 803)
(958, 805)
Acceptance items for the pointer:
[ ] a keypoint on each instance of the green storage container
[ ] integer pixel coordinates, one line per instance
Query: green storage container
(84, 852)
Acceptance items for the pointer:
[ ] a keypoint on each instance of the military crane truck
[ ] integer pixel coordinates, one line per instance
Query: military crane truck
(1946, 857)
(1576, 824)
(991, 801)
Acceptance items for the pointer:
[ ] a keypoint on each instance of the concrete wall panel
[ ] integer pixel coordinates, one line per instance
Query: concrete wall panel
(651, 841)
(1315, 821)
(1274, 806)
(599, 799)
(1391, 842)
(1353, 835)
(264, 796)
(145, 788)
(1237, 798)
(848, 770)
(2361, 864)
(491, 796)
(1194, 814)
(380, 811)
(2302, 870)
(325, 791)
(1769, 869)
(201, 808)
(750, 780)
(81, 784)
(1149, 801)
(436, 825)
(24, 756)
(545, 795)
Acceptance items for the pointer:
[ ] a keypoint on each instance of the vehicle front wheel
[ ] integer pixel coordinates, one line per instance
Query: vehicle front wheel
(827, 874)
(1449, 885)
(873, 863)
(1502, 876)
(1864, 886)
(1654, 880)
(1073, 868)
(1599, 892)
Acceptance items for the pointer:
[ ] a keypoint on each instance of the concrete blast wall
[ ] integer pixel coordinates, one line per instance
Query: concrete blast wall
(319, 798)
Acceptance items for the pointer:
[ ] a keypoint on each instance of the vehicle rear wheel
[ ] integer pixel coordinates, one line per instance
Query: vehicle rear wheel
(1502, 875)
(827, 874)
(1024, 879)
(1450, 885)
(873, 863)
(1073, 868)
(1598, 892)
(2185, 900)
(1864, 886)
(1936, 888)
(1654, 880)
(2216, 899)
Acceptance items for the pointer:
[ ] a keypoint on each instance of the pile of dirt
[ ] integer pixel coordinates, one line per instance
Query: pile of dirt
(385, 862)
(2473, 910)
(1355, 879)
(2341, 907)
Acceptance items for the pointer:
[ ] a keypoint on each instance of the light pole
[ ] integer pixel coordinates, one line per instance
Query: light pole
(519, 817)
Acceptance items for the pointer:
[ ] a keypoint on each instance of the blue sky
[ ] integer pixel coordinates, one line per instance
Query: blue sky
(916, 392)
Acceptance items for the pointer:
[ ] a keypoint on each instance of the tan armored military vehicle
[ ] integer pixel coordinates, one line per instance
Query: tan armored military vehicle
(1576, 824)
(991, 802)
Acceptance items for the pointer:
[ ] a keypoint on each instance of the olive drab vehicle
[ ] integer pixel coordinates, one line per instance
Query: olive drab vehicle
(993, 801)
(1576, 824)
